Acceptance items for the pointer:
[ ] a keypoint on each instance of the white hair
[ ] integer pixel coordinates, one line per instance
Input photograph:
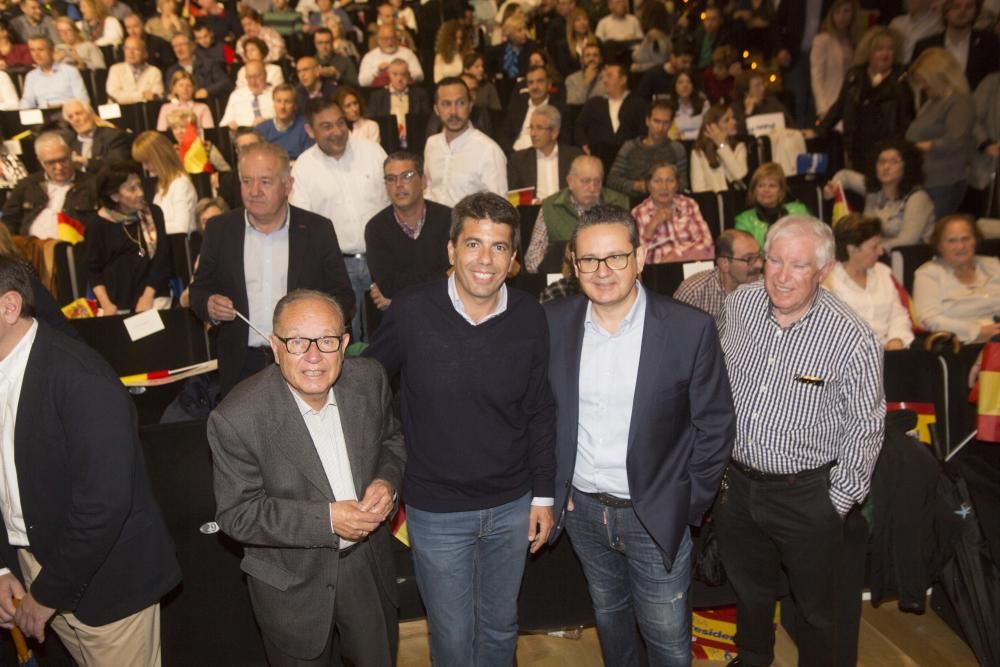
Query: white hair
(804, 225)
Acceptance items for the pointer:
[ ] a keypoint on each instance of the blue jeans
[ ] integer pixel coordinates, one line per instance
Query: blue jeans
(629, 585)
(361, 280)
(947, 198)
(469, 567)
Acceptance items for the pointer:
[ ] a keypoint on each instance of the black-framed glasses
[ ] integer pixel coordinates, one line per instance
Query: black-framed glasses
(613, 262)
(748, 259)
(404, 177)
(300, 345)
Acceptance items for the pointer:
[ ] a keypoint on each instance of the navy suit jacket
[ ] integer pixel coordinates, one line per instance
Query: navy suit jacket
(314, 262)
(683, 425)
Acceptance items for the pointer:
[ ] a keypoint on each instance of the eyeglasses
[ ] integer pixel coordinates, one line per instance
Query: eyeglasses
(749, 259)
(613, 262)
(404, 177)
(53, 162)
(299, 346)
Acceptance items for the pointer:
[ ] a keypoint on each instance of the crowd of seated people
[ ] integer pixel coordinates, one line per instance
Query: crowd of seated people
(670, 100)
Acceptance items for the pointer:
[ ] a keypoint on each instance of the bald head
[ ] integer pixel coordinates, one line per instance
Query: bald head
(386, 38)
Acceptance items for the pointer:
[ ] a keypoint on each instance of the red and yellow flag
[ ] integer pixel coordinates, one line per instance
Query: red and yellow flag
(192, 152)
(69, 229)
(522, 197)
(398, 525)
(80, 308)
(840, 207)
(988, 404)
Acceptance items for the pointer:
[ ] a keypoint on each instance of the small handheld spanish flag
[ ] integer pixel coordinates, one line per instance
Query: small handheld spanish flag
(521, 197)
(192, 152)
(69, 229)
(80, 308)
(840, 207)
(398, 525)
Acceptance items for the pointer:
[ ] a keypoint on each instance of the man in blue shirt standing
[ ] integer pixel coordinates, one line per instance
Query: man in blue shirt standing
(478, 423)
(644, 429)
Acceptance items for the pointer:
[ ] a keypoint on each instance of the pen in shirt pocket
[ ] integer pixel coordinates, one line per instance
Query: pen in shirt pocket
(813, 380)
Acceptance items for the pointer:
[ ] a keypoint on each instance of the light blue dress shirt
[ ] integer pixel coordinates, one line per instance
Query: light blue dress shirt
(609, 364)
(45, 89)
(265, 268)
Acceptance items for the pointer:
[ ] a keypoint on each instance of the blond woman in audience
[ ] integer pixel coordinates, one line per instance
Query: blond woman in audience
(75, 50)
(832, 52)
(182, 87)
(167, 24)
(175, 193)
(98, 26)
(448, 50)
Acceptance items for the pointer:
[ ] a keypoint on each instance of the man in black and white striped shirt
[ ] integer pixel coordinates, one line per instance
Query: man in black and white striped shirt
(806, 375)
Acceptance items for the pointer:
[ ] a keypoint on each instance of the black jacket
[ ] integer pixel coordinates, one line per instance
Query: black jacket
(91, 518)
(314, 262)
(522, 167)
(29, 197)
(984, 54)
(379, 103)
(871, 115)
(110, 145)
(208, 74)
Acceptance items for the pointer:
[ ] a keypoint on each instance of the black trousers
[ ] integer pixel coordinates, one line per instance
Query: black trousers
(764, 527)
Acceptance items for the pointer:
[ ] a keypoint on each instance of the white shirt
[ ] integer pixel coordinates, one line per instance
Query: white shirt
(624, 29)
(177, 205)
(8, 94)
(912, 30)
(472, 162)
(239, 108)
(943, 303)
(368, 69)
(349, 191)
(959, 49)
(265, 267)
(547, 168)
(614, 110)
(877, 302)
(327, 435)
(12, 369)
(609, 366)
(524, 138)
(46, 223)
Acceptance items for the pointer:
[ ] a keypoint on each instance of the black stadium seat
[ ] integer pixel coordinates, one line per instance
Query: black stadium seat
(710, 204)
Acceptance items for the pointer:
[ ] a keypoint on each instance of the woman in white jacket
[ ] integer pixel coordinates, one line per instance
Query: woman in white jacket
(175, 193)
(832, 52)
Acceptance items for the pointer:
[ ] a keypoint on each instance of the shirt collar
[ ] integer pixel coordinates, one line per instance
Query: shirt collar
(14, 363)
(542, 156)
(284, 225)
(305, 408)
(631, 318)
(456, 302)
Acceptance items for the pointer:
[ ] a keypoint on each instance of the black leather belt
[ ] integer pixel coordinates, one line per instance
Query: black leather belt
(761, 476)
(606, 499)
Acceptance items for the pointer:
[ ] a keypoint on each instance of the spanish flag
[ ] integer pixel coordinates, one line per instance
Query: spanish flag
(521, 197)
(69, 229)
(80, 308)
(988, 387)
(926, 415)
(840, 207)
(193, 153)
(398, 525)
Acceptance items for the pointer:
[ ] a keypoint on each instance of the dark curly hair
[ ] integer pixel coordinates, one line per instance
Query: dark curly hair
(112, 176)
(913, 167)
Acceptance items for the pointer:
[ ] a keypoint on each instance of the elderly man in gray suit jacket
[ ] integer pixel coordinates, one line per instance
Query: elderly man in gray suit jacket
(308, 457)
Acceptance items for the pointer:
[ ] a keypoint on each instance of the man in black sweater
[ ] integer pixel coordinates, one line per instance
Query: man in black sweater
(407, 241)
(479, 419)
